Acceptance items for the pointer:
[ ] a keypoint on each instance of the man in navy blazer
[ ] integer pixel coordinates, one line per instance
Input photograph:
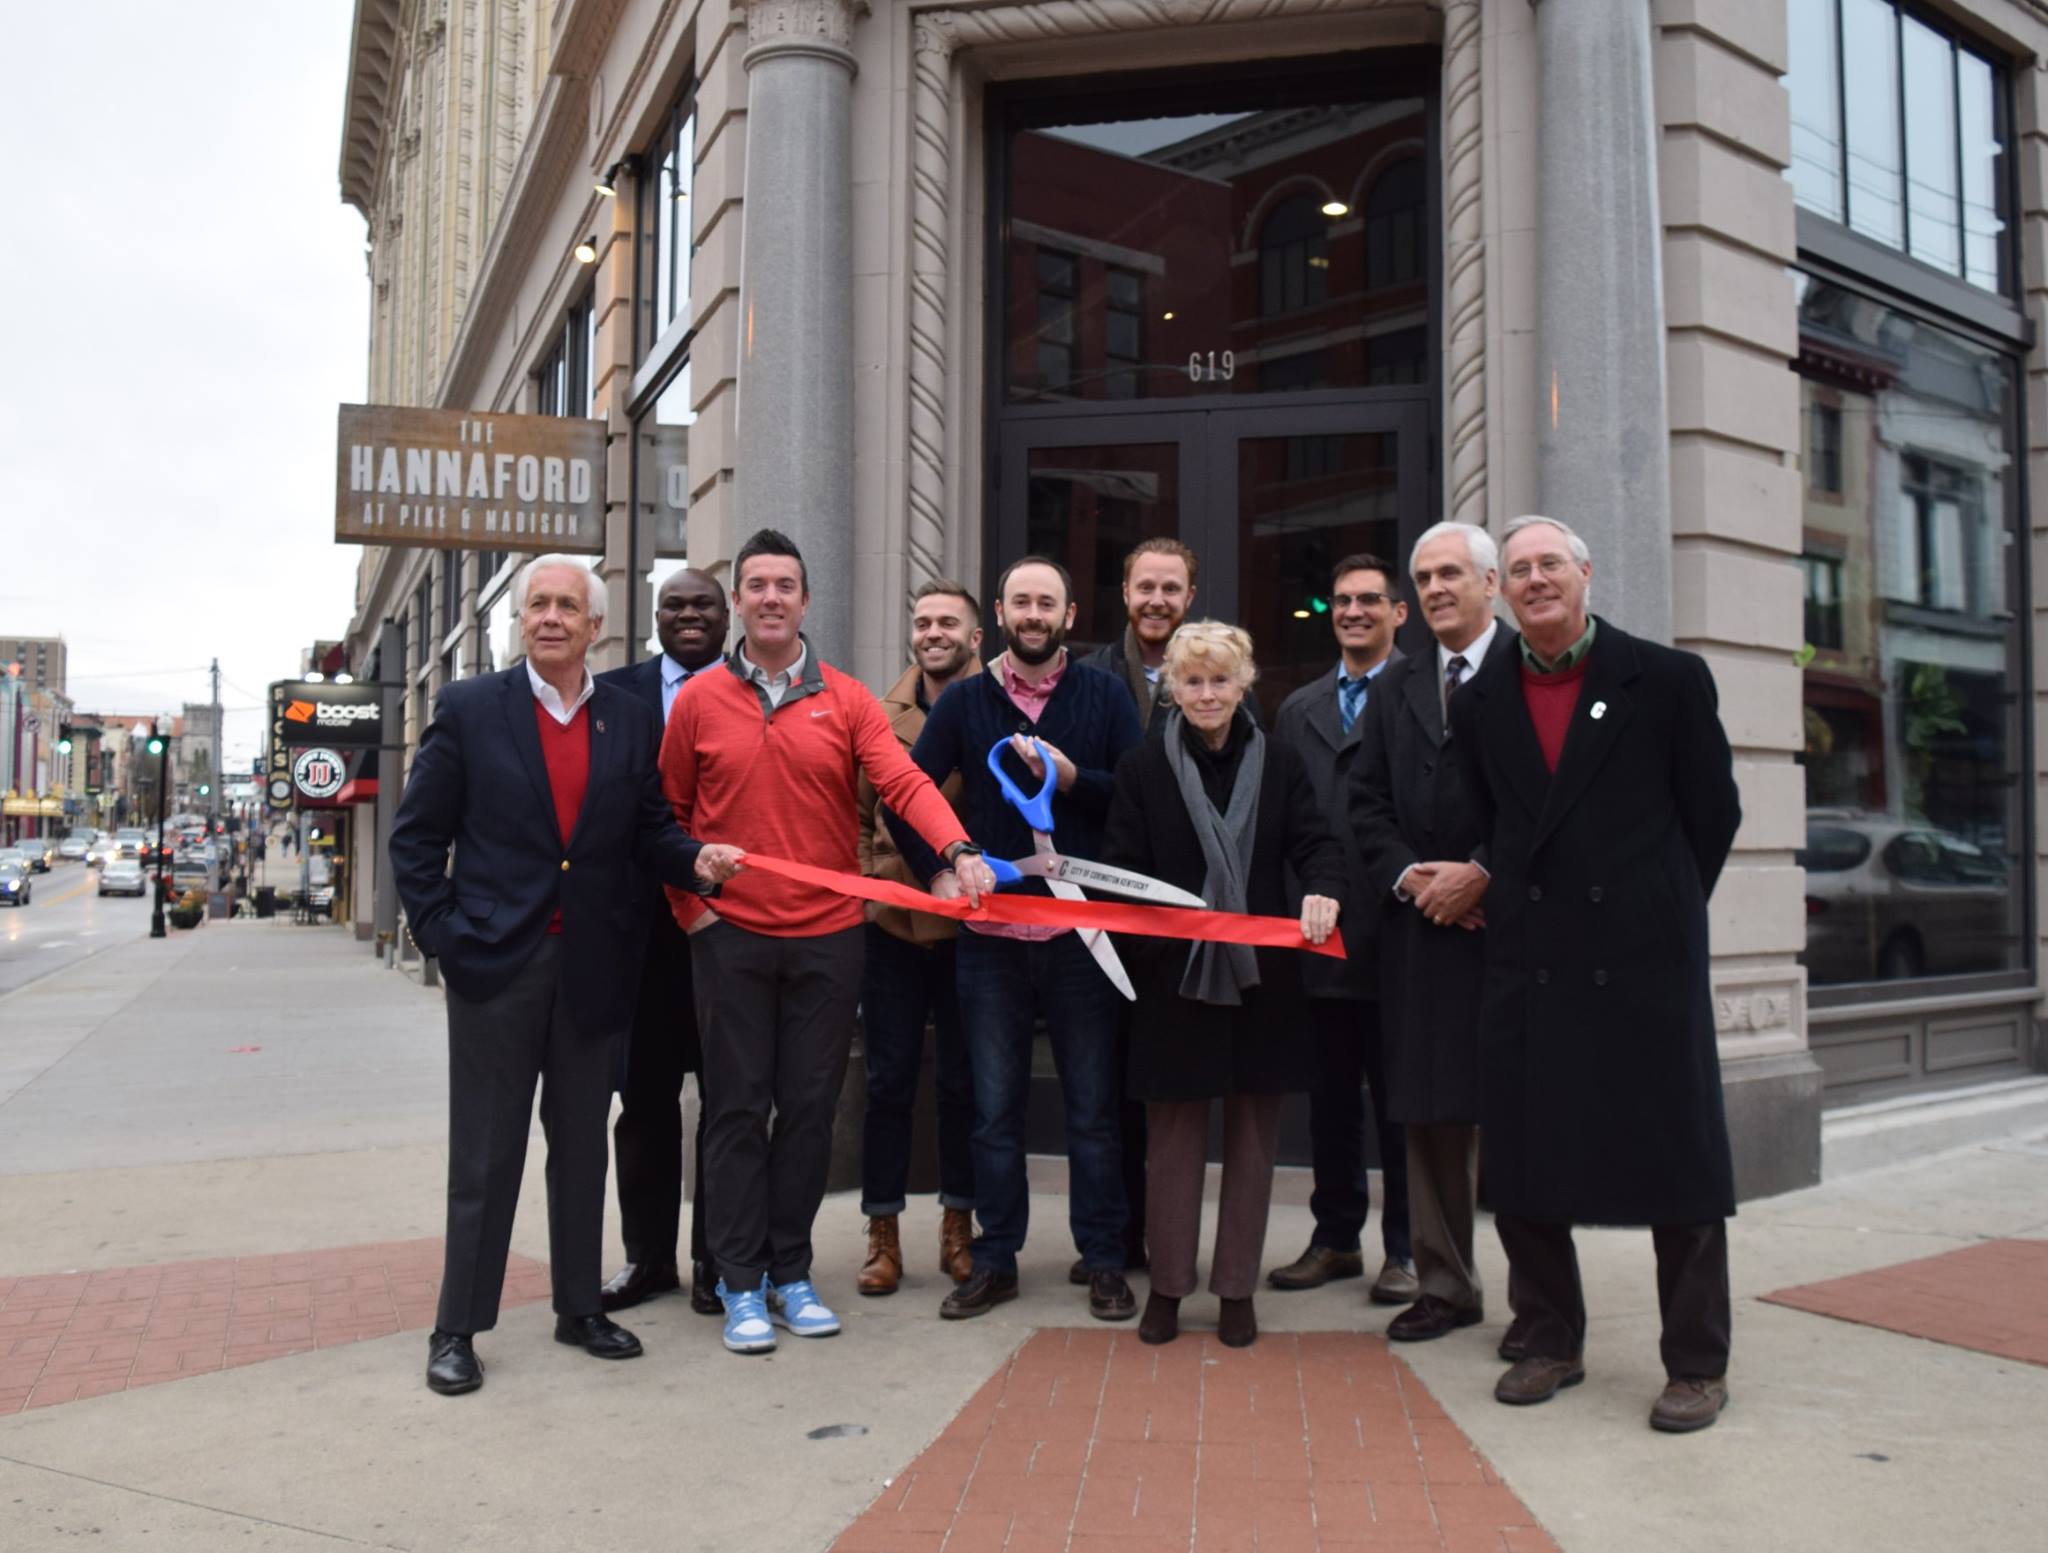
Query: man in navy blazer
(691, 620)
(544, 783)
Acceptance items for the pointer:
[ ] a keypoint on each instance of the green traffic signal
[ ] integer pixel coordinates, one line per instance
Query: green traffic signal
(156, 744)
(204, 789)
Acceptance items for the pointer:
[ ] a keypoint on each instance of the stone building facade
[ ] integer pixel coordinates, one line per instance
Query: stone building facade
(930, 284)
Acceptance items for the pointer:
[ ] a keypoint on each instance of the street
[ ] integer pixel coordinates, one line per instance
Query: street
(67, 921)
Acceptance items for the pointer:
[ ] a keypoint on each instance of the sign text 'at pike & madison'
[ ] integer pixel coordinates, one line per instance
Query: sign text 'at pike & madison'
(465, 480)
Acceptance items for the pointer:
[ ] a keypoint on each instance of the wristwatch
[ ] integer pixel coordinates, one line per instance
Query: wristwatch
(960, 849)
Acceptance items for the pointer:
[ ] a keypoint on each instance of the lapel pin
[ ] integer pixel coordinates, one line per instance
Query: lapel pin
(600, 723)
(1599, 711)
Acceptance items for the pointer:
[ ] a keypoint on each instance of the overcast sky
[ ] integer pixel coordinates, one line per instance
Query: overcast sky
(187, 306)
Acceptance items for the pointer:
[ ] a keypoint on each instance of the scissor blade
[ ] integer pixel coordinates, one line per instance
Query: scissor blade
(1115, 881)
(1097, 944)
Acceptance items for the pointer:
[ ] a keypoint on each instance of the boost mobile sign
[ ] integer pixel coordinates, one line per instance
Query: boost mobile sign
(306, 714)
(462, 480)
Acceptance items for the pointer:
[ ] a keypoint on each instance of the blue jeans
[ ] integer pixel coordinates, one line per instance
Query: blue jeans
(1004, 983)
(904, 984)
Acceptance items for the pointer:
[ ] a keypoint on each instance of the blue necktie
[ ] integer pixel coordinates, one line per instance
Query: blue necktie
(1350, 698)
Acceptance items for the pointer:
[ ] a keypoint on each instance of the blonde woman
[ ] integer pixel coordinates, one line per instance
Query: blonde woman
(1216, 806)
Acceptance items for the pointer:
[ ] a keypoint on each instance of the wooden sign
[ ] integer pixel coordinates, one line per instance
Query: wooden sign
(464, 480)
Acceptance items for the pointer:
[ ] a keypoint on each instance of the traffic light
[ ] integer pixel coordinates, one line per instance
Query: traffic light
(205, 788)
(64, 739)
(156, 744)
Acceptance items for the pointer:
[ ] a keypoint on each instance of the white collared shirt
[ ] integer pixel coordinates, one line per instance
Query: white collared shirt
(1473, 655)
(551, 699)
(673, 677)
(774, 686)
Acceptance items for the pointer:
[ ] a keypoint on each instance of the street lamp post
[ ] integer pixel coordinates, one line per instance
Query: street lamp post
(160, 746)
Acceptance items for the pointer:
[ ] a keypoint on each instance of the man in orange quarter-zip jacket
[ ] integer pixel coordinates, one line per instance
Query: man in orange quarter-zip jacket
(763, 755)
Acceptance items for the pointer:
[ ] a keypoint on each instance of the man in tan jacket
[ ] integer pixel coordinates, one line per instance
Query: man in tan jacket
(909, 977)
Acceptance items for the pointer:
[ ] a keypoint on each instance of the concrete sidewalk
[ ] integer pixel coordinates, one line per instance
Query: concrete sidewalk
(134, 1135)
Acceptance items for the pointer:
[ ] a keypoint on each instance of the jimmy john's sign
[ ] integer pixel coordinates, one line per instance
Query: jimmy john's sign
(461, 480)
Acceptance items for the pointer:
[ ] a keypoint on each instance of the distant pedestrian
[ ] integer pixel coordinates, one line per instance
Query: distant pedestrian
(762, 754)
(544, 784)
(1598, 762)
(1216, 806)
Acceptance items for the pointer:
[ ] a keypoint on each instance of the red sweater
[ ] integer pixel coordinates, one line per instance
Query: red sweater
(565, 750)
(785, 785)
(1551, 699)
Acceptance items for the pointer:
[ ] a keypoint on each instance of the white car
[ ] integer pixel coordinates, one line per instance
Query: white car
(123, 876)
(73, 848)
(100, 851)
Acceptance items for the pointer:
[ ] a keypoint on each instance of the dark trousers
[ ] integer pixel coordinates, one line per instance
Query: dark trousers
(905, 985)
(1131, 1124)
(1176, 1173)
(776, 1019)
(647, 1139)
(1692, 1292)
(1443, 1194)
(497, 1050)
(1005, 984)
(1349, 1065)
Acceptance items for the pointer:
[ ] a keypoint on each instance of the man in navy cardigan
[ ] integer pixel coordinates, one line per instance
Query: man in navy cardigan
(1009, 975)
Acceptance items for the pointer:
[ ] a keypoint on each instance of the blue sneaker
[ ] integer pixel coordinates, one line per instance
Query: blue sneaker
(797, 1307)
(746, 1320)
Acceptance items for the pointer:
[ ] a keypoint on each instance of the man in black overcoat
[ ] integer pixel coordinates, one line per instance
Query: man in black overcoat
(690, 621)
(1599, 766)
(1322, 723)
(1417, 834)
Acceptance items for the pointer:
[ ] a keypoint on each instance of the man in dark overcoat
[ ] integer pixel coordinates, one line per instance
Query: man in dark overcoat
(1321, 722)
(1417, 834)
(1599, 766)
(690, 622)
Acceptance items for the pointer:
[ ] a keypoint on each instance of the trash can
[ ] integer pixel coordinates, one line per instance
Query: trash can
(266, 900)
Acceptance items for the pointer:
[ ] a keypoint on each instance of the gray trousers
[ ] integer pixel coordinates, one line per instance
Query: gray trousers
(1443, 1194)
(1177, 1134)
(775, 1016)
(498, 1049)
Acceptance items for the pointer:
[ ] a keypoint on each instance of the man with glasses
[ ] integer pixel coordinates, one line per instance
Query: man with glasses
(1322, 720)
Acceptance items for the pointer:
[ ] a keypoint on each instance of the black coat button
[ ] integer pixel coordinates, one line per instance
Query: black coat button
(1543, 978)
(1593, 895)
(1535, 892)
(1599, 978)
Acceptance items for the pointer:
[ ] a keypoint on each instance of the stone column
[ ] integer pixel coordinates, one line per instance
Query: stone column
(1603, 452)
(795, 404)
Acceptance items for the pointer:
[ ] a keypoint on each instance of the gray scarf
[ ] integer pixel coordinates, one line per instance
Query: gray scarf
(1219, 973)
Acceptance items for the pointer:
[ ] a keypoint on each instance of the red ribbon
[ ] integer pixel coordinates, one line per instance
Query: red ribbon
(1221, 927)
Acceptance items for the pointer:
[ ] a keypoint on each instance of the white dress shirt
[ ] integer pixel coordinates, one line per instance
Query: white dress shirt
(774, 686)
(551, 698)
(1473, 655)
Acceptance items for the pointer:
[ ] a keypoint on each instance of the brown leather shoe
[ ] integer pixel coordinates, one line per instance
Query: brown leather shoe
(1110, 1298)
(883, 1270)
(1238, 1325)
(1396, 1284)
(1689, 1404)
(956, 1244)
(1161, 1321)
(1317, 1266)
(1430, 1317)
(1534, 1380)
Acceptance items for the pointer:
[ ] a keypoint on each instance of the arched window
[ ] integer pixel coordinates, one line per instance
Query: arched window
(1393, 226)
(1294, 256)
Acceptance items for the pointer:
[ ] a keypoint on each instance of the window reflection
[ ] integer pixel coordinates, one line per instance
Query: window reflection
(1870, 66)
(662, 282)
(1815, 81)
(661, 478)
(1914, 837)
(1218, 253)
(1933, 198)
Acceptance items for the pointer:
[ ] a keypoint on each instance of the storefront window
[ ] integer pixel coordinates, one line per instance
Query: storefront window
(501, 645)
(661, 490)
(567, 375)
(662, 278)
(1896, 132)
(1916, 849)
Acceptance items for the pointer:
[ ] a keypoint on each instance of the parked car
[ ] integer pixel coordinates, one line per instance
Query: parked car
(1888, 899)
(16, 882)
(123, 876)
(74, 847)
(195, 869)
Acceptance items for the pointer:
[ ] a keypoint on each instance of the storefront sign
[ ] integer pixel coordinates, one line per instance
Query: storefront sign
(463, 480)
(319, 773)
(331, 714)
(667, 451)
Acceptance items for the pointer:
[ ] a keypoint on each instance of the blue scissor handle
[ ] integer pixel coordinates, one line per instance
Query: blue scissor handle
(1005, 872)
(1037, 809)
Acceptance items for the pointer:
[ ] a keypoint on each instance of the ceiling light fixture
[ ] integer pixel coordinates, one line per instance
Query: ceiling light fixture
(1167, 315)
(1336, 208)
(608, 181)
(586, 251)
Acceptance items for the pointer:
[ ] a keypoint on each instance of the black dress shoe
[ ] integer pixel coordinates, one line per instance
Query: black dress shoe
(1135, 1261)
(637, 1281)
(1431, 1317)
(598, 1336)
(704, 1298)
(452, 1364)
(1110, 1298)
(983, 1291)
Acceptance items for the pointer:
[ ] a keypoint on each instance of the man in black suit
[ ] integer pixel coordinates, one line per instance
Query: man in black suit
(544, 783)
(1600, 770)
(690, 619)
(1322, 721)
(1417, 836)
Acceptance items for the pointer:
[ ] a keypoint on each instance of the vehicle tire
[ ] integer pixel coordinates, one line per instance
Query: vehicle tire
(1901, 958)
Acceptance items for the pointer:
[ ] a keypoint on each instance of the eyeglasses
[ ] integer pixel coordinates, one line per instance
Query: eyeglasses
(1362, 600)
(1552, 565)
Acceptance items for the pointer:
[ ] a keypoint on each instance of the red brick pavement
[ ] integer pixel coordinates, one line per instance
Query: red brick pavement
(1087, 1441)
(66, 1336)
(1991, 1297)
